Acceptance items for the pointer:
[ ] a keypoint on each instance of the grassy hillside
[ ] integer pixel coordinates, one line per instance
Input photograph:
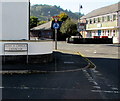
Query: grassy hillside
(45, 12)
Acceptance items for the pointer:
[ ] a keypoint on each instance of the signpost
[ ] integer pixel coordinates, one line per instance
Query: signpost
(81, 27)
(16, 47)
(56, 26)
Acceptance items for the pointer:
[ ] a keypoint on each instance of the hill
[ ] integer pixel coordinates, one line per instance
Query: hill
(45, 12)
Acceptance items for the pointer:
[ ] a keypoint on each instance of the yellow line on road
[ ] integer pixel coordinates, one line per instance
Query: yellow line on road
(92, 65)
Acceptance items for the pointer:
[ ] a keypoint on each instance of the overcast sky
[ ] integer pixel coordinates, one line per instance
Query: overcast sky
(73, 5)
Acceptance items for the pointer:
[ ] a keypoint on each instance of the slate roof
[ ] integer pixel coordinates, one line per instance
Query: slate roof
(104, 10)
(45, 26)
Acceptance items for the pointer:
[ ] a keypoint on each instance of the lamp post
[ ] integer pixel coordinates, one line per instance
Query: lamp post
(80, 7)
(29, 21)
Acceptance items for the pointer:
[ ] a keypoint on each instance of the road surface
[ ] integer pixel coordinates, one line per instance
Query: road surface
(99, 83)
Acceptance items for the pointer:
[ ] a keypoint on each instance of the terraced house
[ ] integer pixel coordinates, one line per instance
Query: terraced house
(103, 22)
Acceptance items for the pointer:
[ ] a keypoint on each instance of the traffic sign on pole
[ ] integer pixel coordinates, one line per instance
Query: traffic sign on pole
(56, 18)
(56, 25)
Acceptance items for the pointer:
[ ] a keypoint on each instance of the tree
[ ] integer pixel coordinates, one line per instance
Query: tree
(41, 22)
(68, 28)
(33, 21)
(63, 16)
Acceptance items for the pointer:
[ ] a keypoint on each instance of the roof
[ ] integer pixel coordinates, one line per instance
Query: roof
(45, 26)
(104, 10)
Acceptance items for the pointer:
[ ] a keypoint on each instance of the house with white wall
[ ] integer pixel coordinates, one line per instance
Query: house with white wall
(104, 21)
(14, 33)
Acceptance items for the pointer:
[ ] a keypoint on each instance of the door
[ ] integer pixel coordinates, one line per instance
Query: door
(99, 32)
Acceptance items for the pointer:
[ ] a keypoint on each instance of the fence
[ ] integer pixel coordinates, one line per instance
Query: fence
(90, 40)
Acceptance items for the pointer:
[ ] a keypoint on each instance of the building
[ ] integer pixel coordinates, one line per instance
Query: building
(15, 44)
(103, 22)
(43, 31)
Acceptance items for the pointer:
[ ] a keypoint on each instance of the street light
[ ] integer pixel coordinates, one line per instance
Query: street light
(80, 7)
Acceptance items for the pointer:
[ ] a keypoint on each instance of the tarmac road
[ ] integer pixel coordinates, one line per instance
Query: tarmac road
(81, 84)
(67, 80)
(104, 56)
(63, 85)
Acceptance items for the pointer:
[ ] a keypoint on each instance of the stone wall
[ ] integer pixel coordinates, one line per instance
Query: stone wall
(30, 59)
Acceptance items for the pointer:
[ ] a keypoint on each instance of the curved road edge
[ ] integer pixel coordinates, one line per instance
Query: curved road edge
(90, 65)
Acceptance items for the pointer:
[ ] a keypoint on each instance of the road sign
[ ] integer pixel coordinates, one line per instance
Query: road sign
(15, 47)
(81, 26)
(56, 18)
(56, 25)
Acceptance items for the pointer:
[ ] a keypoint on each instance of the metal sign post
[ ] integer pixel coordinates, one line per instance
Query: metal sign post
(55, 39)
(56, 26)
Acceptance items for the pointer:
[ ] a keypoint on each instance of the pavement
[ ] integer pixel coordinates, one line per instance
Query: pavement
(64, 61)
(92, 50)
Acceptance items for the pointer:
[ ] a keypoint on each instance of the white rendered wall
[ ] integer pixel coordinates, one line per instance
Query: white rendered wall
(0, 23)
(0, 50)
(34, 48)
(15, 19)
(116, 39)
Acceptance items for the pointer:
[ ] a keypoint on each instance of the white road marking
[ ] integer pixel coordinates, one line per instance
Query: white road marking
(1, 87)
(95, 83)
(37, 88)
(104, 91)
(113, 88)
(90, 79)
(68, 62)
(95, 71)
(98, 87)
(99, 74)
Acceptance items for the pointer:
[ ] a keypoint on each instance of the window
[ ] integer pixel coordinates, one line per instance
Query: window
(111, 17)
(98, 19)
(94, 20)
(113, 32)
(103, 19)
(108, 18)
(108, 32)
(114, 17)
(86, 21)
(90, 21)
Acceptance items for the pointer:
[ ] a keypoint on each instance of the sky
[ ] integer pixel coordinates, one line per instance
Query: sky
(73, 5)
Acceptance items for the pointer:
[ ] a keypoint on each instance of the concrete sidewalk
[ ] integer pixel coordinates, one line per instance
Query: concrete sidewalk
(63, 62)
